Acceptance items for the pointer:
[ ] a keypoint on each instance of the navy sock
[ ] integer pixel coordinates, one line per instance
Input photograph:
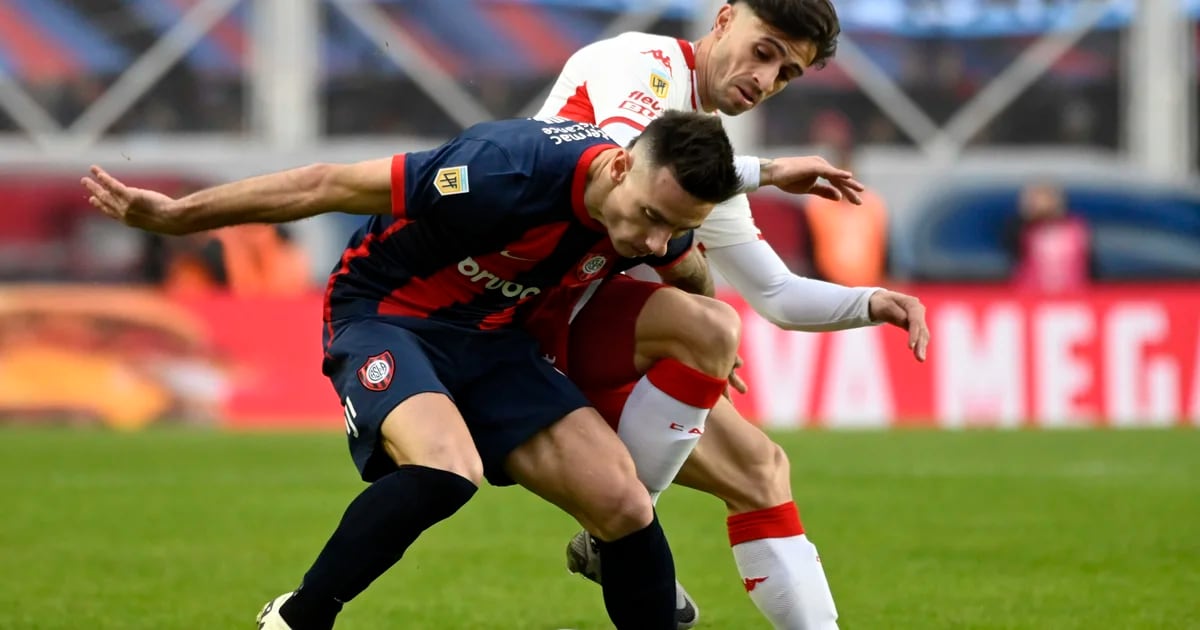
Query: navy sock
(639, 580)
(374, 533)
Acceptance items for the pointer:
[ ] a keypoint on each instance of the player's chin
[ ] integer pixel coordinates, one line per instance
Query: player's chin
(734, 107)
(625, 250)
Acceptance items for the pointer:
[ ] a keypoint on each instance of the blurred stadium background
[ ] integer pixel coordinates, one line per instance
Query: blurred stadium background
(1035, 170)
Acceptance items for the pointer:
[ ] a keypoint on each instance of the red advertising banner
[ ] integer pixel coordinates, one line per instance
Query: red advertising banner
(1119, 356)
(1116, 356)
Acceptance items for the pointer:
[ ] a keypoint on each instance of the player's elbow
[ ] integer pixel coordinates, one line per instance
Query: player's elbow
(318, 185)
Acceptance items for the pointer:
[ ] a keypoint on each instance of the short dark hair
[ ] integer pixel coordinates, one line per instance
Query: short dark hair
(694, 146)
(814, 20)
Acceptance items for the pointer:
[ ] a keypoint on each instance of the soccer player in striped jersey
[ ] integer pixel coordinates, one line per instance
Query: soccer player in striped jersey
(440, 388)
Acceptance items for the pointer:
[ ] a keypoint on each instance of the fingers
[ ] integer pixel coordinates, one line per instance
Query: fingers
(100, 198)
(825, 190)
(735, 380)
(851, 183)
(118, 190)
(918, 331)
(849, 193)
(106, 193)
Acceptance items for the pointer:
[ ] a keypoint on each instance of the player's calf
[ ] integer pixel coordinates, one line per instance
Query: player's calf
(780, 568)
(580, 466)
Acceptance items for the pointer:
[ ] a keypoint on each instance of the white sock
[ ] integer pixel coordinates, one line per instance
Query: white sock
(663, 419)
(781, 569)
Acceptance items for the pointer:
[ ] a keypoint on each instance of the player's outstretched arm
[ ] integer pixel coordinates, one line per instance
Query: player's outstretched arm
(794, 302)
(362, 188)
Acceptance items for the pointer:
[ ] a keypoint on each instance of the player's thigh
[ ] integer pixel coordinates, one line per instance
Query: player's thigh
(603, 337)
(738, 463)
(397, 408)
(427, 429)
(580, 465)
(699, 331)
(511, 396)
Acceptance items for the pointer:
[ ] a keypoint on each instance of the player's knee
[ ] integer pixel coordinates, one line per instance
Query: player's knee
(711, 334)
(466, 465)
(622, 511)
(454, 458)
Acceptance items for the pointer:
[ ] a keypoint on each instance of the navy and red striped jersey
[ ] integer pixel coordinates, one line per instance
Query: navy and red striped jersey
(481, 226)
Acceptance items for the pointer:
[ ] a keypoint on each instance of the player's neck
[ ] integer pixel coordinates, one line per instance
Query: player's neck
(599, 183)
(703, 52)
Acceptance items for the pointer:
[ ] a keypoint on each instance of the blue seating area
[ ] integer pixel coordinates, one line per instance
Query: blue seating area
(56, 39)
(1137, 232)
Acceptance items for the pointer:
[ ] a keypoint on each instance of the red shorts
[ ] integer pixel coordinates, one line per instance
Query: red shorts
(596, 350)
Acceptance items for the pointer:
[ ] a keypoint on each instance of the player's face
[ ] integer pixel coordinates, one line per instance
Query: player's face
(750, 61)
(648, 208)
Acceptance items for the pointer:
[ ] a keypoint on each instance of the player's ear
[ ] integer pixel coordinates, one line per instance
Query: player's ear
(724, 19)
(621, 165)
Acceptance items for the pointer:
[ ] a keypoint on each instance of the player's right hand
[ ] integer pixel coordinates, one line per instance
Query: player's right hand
(136, 207)
(812, 175)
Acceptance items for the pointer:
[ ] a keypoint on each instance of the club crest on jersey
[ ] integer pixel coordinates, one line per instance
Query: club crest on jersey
(660, 84)
(452, 181)
(376, 372)
(592, 267)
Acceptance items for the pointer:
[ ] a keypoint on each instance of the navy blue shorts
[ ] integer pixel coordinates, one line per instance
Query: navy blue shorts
(499, 381)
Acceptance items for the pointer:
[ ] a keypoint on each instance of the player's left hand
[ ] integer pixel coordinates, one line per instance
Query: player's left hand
(736, 381)
(902, 311)
(804, 175)
(135, 207)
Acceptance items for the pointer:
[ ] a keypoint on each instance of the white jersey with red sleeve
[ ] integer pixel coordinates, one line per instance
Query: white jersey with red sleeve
(622, 83)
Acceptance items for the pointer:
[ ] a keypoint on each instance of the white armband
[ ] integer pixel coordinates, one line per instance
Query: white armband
(749, 170)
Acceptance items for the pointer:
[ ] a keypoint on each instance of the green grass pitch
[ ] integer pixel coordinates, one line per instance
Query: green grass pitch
(175, 529)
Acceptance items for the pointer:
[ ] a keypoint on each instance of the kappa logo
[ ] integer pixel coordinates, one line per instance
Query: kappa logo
(661, 57)
(751, 583)
(592, 267)
(659, 84)
(376, 372)
(452, 181)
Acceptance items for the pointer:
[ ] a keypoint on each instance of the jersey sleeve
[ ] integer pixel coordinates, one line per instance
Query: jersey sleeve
(627, 91)
(468, 182)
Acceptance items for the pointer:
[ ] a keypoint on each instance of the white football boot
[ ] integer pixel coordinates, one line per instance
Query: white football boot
(584, 559)
(269, 617)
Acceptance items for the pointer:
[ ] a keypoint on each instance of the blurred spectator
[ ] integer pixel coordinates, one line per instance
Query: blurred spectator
(849, 242)
(1051, 247)
(781, 219)
(245, 260)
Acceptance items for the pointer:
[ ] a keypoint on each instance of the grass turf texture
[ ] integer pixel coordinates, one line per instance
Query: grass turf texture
(180, 529)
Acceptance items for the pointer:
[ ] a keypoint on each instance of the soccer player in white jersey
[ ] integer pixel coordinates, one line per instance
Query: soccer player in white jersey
(754, 50)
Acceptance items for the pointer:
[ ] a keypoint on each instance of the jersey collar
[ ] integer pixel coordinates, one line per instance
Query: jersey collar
(579, 183)
(689, 55)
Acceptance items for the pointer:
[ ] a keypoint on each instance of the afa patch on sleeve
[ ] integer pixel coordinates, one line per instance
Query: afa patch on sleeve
(660, 84)
(452, 180)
